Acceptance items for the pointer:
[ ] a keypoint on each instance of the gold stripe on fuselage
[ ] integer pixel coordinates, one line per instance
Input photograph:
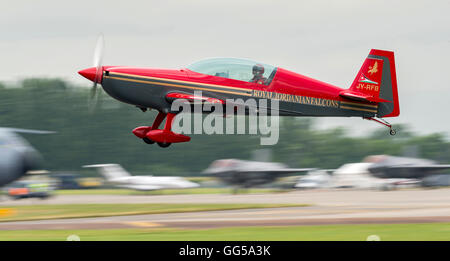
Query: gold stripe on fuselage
(176, 85)
(357, 109)
(180, 81)
(243, 91)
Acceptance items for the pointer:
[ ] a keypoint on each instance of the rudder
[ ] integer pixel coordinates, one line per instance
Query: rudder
(377, 79)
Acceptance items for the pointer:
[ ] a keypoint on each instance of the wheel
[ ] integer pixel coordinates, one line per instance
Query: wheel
(392, 132)
(148, 141)
(164, 144)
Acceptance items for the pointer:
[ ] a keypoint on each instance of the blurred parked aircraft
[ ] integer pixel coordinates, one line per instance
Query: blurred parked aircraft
(245, 174)
(17, 156)
(436, 181)
(379, 172)
(314, 179)
(117, 175)
(67, 180)
(384, 166)
(357, 175)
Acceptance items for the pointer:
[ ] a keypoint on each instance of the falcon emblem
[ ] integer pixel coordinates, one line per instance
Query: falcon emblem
(373, 69)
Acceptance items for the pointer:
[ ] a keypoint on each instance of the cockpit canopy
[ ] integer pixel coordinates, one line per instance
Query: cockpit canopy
(234, 68)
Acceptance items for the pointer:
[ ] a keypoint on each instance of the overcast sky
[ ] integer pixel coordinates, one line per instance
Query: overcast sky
(327, 40)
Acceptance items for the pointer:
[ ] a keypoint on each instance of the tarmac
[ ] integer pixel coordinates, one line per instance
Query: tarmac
(325, 207)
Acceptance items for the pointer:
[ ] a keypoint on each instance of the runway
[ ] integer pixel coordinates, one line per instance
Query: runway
(327, 207)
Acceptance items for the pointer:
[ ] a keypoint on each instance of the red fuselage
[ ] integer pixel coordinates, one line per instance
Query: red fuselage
(298, 95)
(232, 81)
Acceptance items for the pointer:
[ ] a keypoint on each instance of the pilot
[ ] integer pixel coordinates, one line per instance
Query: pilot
(258, 71)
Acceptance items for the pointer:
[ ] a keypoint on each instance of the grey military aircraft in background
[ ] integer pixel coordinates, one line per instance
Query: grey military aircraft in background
(385, 166)
(388, 172)
(246, 174)
(17, 156)
(358, 176)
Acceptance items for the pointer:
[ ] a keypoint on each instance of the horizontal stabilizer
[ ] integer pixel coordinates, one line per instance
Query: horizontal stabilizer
(358, 96)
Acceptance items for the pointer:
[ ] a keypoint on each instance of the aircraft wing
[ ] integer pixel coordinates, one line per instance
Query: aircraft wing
(192, 98)
(420, 167)
(278, 171)
(17, 130)
(139, 187)
(171, 97)
(402, 181)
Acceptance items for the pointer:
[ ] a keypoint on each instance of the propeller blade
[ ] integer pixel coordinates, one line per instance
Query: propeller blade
(93, 98)
(98, 56)
(98, 59)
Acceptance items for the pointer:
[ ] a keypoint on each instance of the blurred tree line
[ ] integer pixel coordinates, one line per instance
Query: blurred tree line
(104, 136)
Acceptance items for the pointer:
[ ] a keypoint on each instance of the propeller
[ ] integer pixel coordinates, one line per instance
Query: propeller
(98, 58)
(17, 130)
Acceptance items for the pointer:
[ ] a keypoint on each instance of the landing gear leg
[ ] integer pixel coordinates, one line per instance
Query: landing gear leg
(392, 131)
(166, 136)
(167, 127)
(142, 131)
(163, 137)
(158, 120)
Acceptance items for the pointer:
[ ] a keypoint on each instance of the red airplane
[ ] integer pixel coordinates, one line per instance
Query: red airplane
(373, 94)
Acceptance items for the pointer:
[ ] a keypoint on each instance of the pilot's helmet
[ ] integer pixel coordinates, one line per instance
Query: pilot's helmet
(258, 69)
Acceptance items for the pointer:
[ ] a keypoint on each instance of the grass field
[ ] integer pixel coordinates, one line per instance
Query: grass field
(386, 232)
(36, 212)
(163, 192)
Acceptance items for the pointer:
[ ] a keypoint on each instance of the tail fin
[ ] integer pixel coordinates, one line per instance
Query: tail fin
(376, 81)
(110, 171)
